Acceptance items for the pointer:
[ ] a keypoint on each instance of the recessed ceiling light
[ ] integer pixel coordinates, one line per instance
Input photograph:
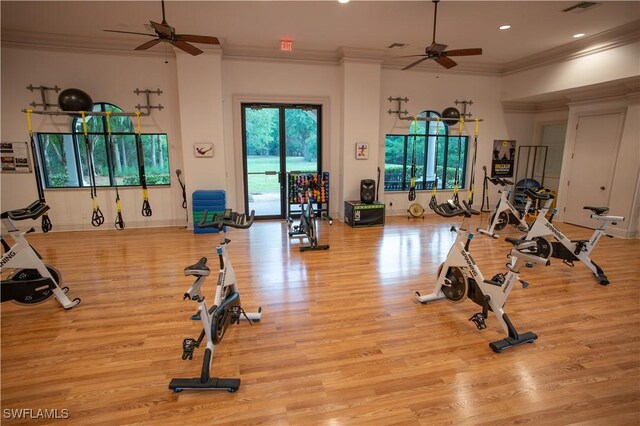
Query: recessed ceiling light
(343, 1)
(578, 35)
(505, 27)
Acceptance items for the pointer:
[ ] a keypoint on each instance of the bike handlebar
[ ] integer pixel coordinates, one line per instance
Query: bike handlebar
(228, 218)
(33, 211)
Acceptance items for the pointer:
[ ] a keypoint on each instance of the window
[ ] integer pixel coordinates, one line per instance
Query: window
(440, 158)
(65, 159)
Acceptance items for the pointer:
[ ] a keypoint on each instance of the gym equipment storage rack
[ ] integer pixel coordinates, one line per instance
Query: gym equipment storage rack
(297, 185)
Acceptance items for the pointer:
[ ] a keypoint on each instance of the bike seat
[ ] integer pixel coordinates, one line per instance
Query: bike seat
(198, 269)
(33, 211)
(597, 210)
(543, 196)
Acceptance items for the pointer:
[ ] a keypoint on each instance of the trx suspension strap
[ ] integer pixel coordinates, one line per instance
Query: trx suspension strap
(119, 223)
(473, 164)
(46, 222)
(97, 218)
(485, 192)
(456, 180)
(433, 203)
(146, 207)
(412, 182)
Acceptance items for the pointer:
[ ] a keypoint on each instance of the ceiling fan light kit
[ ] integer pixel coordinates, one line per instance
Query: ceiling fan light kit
(167, 33)
(438, 52)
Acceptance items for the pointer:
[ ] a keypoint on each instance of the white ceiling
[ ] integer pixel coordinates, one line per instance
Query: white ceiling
(322, 29)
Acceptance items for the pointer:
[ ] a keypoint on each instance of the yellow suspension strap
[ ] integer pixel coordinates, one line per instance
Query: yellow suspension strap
(433, 203)
(46, 222)
(473, 163)
(412, 182)
(146, 207)
(97, 217)
(119, 222)
(456, 180)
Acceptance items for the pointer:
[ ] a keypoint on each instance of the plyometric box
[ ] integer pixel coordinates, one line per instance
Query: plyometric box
(357, 214)
(213, 201)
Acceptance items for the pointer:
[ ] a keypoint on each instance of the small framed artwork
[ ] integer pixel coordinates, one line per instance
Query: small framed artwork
(362, 151)
(201, 150)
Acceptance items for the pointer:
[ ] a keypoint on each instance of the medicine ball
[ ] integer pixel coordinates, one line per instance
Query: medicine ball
(451, 116)
(74, 100)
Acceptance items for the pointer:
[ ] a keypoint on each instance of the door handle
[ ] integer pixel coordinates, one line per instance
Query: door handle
(603, 188)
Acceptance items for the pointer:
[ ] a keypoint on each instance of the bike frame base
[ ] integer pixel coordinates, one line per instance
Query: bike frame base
(214, 383)
(509, 342)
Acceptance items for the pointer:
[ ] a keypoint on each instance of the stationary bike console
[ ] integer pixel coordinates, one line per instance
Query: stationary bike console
(33, 211)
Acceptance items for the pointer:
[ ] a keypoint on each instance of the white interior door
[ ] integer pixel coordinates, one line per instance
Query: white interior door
(594, 157)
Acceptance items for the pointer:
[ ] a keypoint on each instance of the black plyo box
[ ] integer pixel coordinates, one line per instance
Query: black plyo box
(357, 214)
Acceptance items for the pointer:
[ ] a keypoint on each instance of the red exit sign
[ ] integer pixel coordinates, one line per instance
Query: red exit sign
(286, 45)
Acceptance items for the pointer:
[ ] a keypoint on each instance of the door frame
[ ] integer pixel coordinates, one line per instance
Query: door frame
(238, 184)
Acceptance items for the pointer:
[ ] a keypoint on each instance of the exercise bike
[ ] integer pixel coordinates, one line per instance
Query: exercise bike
(307, 227)
(32, 281)
(564, 248)
(505, 213)
(459, 277)
(226, 309)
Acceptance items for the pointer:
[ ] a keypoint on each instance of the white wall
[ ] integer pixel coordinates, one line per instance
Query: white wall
(623, 199)
(106, 78)
(618, 63)
(284, 82)
(437, 91)
(202, 97)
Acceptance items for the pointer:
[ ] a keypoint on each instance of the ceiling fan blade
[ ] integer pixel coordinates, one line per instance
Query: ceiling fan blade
(412, 56)
(197, 39)
(129, 32)
(150, 43)
(413, 64)
(164, 28)
(192, 50)
(446, 62)
(463, 52)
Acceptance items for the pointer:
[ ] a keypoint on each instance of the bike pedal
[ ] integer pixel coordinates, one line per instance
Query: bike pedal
(569, 263)
(188, 346)
(478, 320)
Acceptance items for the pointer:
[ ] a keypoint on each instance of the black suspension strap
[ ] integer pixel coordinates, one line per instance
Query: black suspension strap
(146, 207)
(97, 218)
(485, 192)
(412, 182)
(46, 222)
(456, 180)
(119, 222)
(472, 183)
(433, 203)
(184, 192)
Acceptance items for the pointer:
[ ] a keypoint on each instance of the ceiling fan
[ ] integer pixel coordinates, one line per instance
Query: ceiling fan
(437, 52)
(166, 33)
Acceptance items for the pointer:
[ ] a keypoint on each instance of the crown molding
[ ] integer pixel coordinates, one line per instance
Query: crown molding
(535, 107)
(606, 40)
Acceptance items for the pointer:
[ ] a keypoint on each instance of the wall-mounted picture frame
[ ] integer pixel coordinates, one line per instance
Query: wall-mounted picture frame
(362, 151)
(202, 150)
(15, 157)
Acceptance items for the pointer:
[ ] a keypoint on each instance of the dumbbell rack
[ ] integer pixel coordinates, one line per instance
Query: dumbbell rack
(300, 181)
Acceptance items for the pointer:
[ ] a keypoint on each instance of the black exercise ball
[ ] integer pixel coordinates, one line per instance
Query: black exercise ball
(451, 116)
(74, 100)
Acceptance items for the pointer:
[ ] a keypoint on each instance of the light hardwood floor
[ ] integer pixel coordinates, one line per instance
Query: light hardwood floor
(342, 341)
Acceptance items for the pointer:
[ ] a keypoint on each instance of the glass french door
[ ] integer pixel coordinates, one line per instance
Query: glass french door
(277, 139)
